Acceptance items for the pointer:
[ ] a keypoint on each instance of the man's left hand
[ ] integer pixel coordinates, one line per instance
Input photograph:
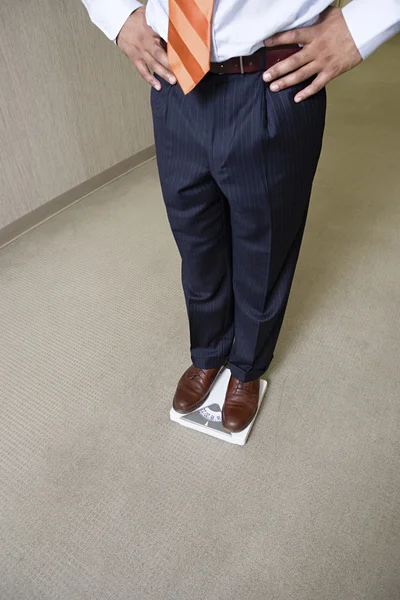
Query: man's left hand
(328, 51)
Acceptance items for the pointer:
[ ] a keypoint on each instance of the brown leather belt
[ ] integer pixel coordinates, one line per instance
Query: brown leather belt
(261, 60)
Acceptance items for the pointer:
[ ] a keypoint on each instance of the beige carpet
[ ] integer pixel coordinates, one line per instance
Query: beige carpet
(103, 498)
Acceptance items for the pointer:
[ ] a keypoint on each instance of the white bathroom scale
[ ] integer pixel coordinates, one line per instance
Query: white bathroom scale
(207, 418)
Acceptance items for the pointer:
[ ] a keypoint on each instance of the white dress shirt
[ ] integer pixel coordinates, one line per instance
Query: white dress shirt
(239, 27)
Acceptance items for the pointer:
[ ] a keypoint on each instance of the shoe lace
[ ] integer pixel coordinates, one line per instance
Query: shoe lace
(200, 373)
(243, 385)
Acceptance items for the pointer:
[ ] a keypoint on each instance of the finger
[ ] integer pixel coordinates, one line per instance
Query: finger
(302, 35)
(147, 76)
(161, 56)
(162, 71)
(314, 87)
(160, 68)
(287, 66)
(296, 77)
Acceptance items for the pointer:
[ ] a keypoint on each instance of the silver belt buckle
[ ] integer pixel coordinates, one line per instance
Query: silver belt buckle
(241, 65)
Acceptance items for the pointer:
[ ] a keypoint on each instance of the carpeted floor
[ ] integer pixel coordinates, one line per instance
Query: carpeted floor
(103, 498)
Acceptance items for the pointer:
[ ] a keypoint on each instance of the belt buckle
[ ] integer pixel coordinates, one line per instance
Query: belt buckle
(241, 65)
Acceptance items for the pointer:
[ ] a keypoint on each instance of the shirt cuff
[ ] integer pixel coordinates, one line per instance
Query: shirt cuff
(371, 23)
(111, 16)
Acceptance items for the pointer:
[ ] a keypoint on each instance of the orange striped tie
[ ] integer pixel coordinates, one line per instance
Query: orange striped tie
(189, 34)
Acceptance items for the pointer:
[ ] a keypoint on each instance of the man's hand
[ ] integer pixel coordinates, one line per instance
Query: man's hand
(142, 46)
(328, 50)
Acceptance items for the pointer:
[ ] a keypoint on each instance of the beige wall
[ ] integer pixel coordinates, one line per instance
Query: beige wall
(70, 104)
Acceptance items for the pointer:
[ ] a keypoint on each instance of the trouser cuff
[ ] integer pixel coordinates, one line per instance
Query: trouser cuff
(245, 375)
(211, 362)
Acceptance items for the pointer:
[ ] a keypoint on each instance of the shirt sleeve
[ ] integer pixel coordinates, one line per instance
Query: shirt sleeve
(372, 22)
(110, 15)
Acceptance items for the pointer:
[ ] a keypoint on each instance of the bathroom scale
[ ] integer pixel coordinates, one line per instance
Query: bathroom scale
(207, 419)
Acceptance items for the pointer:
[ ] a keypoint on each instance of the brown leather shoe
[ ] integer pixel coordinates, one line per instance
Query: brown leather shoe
(241, 403)
(193, 388)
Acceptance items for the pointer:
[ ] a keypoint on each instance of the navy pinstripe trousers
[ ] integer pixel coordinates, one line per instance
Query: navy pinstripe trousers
(236, 164)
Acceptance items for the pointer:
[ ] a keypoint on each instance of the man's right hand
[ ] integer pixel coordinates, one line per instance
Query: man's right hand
(142, 46)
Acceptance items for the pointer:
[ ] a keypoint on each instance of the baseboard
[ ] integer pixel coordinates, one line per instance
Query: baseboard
(19, 227)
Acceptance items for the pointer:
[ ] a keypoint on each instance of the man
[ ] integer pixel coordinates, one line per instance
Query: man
(238, 101)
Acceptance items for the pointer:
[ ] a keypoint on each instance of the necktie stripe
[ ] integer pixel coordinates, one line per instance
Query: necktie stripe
(184, 54)
(181, 73)
(189, 40)
(206, 8)
(196, 18)
(190, 37)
